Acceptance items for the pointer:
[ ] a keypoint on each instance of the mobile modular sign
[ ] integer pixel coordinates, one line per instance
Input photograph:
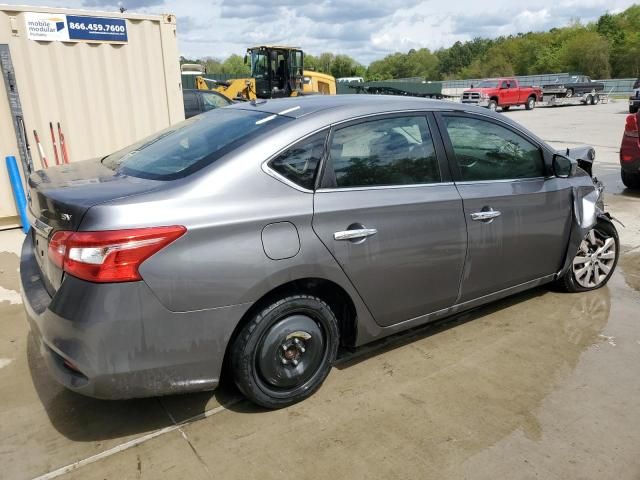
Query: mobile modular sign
(52, 27)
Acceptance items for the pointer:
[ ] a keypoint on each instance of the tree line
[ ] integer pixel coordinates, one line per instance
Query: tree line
(606, 48)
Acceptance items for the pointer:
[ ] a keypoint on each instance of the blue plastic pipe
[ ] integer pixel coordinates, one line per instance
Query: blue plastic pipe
(18, 191)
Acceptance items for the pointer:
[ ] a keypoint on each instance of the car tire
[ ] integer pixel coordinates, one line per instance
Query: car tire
(285, 351)
(531, 103)
(493, 105)
(595, 99)
(633, 109)
(586, 271)
(569, 93)
(630, 180)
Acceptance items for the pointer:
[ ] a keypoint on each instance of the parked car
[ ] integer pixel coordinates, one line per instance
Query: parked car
(200, 101)
(265, 235)
(502, 92)
(572, 85)
(630, 152)
(634, 99)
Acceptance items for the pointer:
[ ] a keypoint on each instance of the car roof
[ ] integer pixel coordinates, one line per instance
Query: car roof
(345, 106)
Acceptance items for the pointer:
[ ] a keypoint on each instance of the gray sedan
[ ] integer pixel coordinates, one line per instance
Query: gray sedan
(266, 235)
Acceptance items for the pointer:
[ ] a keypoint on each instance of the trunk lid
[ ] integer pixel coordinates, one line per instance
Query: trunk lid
(58, 198)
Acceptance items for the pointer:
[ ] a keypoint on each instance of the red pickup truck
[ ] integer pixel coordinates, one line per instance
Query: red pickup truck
(502, 92)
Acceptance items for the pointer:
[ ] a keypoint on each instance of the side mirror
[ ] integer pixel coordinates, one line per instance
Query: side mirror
(472, 85)
(246, 59)
(563, 167)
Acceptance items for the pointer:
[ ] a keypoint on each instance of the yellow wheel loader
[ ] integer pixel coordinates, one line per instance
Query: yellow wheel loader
(276, 71)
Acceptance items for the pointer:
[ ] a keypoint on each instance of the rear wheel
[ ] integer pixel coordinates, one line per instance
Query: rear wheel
(285, 351)
(493, 105)
(595, 260)
(531, 103)
(630, 180)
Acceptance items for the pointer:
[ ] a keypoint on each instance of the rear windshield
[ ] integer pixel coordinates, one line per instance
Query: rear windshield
(191, 145)
(488, 84)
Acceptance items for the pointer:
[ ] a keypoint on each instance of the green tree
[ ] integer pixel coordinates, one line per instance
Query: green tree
(234, 65)
(587, 53)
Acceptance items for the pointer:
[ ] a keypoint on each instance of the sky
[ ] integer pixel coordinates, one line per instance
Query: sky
(365, 30)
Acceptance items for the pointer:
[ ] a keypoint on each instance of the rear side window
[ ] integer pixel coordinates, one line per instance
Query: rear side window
(487, 151)
(300, 162)
(391, 151)
(190, 145)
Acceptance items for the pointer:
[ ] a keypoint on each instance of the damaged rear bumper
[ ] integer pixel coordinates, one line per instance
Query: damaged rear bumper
(116, 341)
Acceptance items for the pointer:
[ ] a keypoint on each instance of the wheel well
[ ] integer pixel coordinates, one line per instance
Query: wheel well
(533, 95)
(332, 293)
(495, 99)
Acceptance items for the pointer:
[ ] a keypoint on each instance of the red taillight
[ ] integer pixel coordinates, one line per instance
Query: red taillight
(109, 256)
(631, 126)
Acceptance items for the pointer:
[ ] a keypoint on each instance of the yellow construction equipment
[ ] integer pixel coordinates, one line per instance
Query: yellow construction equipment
(276, 71)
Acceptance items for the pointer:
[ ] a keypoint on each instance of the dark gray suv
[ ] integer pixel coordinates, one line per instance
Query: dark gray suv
(268, 234)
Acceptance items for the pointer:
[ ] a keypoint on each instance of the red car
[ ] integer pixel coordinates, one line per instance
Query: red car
(630, 152)
(502, 92)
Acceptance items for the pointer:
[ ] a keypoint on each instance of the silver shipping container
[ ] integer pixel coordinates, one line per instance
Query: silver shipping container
(108, 78)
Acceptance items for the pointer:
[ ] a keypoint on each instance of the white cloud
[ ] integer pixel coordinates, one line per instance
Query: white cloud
(366, 31)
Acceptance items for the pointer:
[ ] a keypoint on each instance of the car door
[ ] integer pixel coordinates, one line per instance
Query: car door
(388, 212)
(518, 218)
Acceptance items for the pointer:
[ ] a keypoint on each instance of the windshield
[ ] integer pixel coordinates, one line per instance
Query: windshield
(259, 64)
(488, 84)
(190, 145)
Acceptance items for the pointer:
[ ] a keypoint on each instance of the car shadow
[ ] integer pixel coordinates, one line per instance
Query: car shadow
(80, 418)
(348, 358)
(627, 192)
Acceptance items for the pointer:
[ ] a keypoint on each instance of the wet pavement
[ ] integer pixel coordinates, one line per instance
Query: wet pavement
(539, 385)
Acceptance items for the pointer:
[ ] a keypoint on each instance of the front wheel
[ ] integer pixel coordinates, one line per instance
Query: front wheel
(531, 103)
(595, 260)
(285, 351)
(493, 105)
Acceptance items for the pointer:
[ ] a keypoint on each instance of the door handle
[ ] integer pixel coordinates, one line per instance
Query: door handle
(485, 215)
(354, 234)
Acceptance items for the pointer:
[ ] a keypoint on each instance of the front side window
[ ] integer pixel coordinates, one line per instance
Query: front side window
(487, 151)
(300, 162)
(259, 64)
(190, 145)
(391, 151)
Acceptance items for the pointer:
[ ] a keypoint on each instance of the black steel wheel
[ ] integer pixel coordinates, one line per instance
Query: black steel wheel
(285, 352)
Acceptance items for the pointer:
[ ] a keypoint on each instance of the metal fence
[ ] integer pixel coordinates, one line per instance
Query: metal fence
(616, 86)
